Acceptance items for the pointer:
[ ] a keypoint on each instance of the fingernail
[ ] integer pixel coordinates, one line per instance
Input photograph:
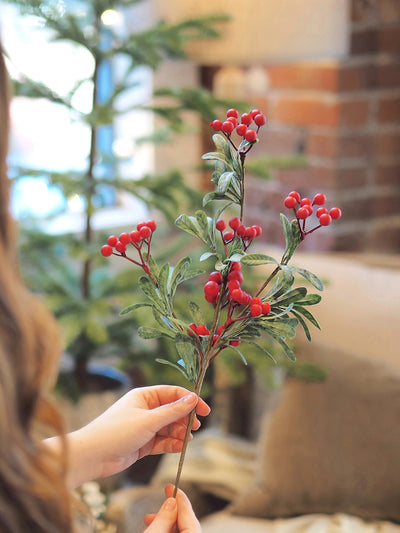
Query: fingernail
(170, 504)
(189, 398)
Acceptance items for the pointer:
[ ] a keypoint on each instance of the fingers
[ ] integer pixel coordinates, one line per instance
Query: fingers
(164, 521)
(169, 394)
(186, 519)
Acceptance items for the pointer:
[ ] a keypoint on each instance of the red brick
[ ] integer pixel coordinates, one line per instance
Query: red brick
(363, 41)
(285, 141)
(385, 239)
(356, 77)
(306, 111)
(322, 145)
(388, 174)
(388, 74)
(388, 39)
(336, 145)
(387, 144)
(355, 145)
(388, 10)
(389, 109)
(388, 204)
(354, 113)
(322, 76)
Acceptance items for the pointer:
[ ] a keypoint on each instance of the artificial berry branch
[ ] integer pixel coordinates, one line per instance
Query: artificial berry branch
(276, 309)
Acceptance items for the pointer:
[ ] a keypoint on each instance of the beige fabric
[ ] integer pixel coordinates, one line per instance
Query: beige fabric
(218, 464)
(332, 446)
(338, 523)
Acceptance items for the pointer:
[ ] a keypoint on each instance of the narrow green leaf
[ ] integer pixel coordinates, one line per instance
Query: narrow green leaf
(292, 295)
(186, 223)
(150, 291)
(235, 258)
(187, 352)
(224, 181)
(303, 325)
(214, 195)
(178, 274)
(311, 299)
(312, 278)
(207, 255)
(214, 156)
(288, 351)
(132, 307)
(177, 367)
(307, 314)
(149, 333)
(257, 259)
(262, 349)
(238, 352)
(196, 313)
(284, 327)
(163, 280)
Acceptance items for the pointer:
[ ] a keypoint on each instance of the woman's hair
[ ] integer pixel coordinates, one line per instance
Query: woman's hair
(33, 493)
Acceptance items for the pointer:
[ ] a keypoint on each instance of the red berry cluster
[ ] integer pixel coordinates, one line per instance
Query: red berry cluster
(246, 233)
(139, 237)
(242, 128)
(304, 208)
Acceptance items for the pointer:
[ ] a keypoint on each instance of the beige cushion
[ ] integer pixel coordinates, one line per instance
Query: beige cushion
(332, 446)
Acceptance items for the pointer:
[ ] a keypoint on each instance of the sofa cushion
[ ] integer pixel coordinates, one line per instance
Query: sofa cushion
(331, 446)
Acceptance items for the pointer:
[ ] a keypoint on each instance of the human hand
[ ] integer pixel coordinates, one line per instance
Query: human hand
(145, 421)
(175, 515)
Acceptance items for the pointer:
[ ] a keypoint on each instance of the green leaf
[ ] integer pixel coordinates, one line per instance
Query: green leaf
(307, 314)
(163, 283)
(284, 327)
(177, 367)
(288, 351)
(257, 259)
(178, 274)
(238, 352)
(292, 234)
(146, 332)
(187, 224)
(235, 258)
(196, 313)
(207, 255)
(311, 299)
(312, 278)
(150, 291)
(262, 349)
(132, 307)
(214, 195)
(224, 181)
(292, 295)
(214, 155)
(303, 325)
(187, 351)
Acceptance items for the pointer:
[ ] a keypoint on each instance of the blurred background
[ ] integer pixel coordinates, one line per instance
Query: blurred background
(112, 101)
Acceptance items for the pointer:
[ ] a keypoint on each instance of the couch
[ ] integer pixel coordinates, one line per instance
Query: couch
(327, 457)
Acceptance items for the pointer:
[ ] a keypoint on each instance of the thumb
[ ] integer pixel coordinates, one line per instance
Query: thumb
(165, 519)
(171, 412)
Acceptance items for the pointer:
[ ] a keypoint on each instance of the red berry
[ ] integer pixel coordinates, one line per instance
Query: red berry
(235, 265)
(140, 225)
(266, 308)
(235, 275)
(214, 339)
(220, 225)
(237, 294)
(216, 125)
(152, 225)
(309, 209)
(241, 230)
(228, 236)
(290, 202)
(250, 136)
(211, 288)
(112, 240)
(234, 223)
(220, 330)
(260, 119)
(325, 219)
(145, 232)
(135, 236)
(321, 211)
(255, 310)
(215, 276)
(305, 201)
(319, 199)
(241, 129)
(335, 213)
(106, 250)
(256, 301)
(192, 327)
(125, 238)
(233, 120)
(251, 233)
(257, 229)
(120, 247)
(246, 119)
(232, 113)
(228, 127)
(302, 213)
(210, 298)
(202, 330)
(233, 284)
(255, 112)
(295, 194)
(234, 343)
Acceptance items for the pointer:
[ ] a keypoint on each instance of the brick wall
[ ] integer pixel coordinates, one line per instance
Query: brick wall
(344, 116)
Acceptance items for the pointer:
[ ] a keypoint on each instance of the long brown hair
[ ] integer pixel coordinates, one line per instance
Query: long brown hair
(33, 493)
